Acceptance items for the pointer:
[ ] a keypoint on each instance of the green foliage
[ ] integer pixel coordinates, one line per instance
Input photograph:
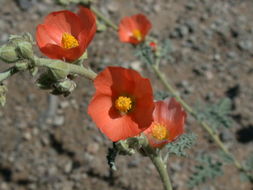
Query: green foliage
(148, 56)
(248, 167)
(225, 157)
(217, 115)
(161, 95)
(166, 49)
(184, 142)
(249, 163)
(207, 169)
(145, 53)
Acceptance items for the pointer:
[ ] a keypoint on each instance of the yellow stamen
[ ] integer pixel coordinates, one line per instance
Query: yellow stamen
(159, 131)
(123, 104)
(68, 41)
(137, 34)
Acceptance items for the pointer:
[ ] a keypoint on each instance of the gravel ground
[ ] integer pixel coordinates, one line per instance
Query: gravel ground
(50, 143)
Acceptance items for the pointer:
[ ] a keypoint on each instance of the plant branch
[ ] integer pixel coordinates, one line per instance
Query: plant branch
(7, 73)
(106, 20)
(60, 65)
(156, 159)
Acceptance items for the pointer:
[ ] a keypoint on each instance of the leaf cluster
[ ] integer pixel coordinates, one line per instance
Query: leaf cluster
(207, 169)
(183, 143)
(217, 115)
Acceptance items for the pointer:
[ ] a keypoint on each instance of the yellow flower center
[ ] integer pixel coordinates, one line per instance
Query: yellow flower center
(159, 131)
(68, 41)
(123, 104)
(137, 34)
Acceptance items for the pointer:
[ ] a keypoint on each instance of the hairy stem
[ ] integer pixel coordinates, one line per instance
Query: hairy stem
(52, 64)
(160, 166)
(60, 65)
(102, 17)
(9, 72)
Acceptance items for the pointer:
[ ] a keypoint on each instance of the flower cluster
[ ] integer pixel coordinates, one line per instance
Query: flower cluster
(123, 105)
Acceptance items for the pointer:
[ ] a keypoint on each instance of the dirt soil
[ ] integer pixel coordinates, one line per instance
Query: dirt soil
(50, 143)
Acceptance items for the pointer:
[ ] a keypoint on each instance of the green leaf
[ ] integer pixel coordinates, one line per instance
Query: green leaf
(226, 158)
(217, 115)
(205, 170)
(183, 143)
(161, 95)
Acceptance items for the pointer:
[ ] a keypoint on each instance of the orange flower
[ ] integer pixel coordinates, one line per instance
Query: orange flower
(65, 35)
(134, 29)
(122, 105)
(168, 123)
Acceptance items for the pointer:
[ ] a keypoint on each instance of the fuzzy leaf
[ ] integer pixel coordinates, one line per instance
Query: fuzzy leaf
(207, 169)
(179, 146)
(161, 95)
(226, 158)
(217, 115)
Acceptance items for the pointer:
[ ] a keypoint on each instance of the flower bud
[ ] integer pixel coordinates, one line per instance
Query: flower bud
(21, 66)
(25, 49)
(8, 53)
(65, 87)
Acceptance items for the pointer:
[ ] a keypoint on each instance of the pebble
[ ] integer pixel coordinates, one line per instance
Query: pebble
(68, 167)
(112, 6)
(58, 120)
(93, 148)
(245, 45)
(27, 136)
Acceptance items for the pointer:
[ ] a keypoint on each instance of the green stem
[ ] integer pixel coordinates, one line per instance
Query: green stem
(53, 64)
(102, 17)
(60, 65)
(160, 166)
(9, 72)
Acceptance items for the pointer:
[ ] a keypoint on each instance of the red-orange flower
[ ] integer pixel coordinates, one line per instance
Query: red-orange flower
(134, 29)
(65, 35)
(168, 124)
(122, 105)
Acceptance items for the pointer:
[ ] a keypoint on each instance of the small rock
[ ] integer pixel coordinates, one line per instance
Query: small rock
(58, 120)
(245, 45)
(64, 104)
(157, 7)
(68, 167)
(27, 136)
(93, 148)
(216, 57)
(136, 65)
(4, 186)
(113, 6)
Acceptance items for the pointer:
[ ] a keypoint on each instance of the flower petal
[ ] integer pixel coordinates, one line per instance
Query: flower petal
(88, 19)
(110, 122)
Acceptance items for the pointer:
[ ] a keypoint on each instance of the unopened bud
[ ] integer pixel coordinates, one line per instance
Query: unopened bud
(25, 49)
(21, 66)
(65, 87)
(8, 53)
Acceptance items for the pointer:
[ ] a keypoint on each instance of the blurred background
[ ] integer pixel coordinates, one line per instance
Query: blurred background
(50, 143)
